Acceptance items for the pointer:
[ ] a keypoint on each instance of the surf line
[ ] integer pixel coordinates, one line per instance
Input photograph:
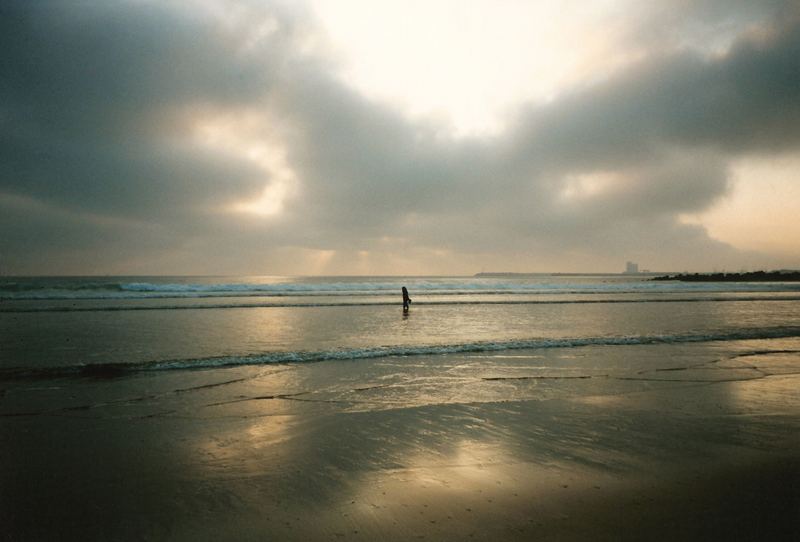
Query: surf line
(387, 304)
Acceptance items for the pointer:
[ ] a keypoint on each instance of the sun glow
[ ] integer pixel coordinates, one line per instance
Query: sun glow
(242, 137)
(470, 64)
(761, 211)
(588, 186)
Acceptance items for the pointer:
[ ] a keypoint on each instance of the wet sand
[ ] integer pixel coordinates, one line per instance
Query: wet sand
(649, 442)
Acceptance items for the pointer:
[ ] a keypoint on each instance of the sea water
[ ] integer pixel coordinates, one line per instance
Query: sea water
(63, 325)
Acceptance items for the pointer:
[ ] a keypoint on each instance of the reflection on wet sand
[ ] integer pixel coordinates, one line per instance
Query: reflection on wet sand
(644, 441)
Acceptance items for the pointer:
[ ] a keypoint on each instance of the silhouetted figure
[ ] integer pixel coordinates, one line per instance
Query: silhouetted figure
(406, 299)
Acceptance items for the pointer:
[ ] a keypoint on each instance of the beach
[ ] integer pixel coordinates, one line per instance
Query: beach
(411, 451)
(629, 436)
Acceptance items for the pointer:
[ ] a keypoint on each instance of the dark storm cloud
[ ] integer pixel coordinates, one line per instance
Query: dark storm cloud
(748, 100)
(97, 102)
(85, 88)
(72, 65)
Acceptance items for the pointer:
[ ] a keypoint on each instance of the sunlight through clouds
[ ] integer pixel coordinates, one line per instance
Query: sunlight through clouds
(761, 211)
(471, 64)
(587, 186)
(238, 136)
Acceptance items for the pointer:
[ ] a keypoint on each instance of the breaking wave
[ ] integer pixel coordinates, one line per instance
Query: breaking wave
(353, 354)
(83, 289)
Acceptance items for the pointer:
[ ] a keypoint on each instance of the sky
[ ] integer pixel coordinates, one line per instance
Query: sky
(398, 137)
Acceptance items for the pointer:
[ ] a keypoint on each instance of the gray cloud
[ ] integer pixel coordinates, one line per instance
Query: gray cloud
(97, 103)
(745, 101)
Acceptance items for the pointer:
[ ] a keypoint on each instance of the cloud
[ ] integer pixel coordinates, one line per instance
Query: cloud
(133, 132)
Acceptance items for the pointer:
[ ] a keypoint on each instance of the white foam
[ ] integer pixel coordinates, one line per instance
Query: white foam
(155, 290)
(401, 350)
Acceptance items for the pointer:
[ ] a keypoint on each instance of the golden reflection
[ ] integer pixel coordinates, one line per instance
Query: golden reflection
(774, 391)
(257, 427)
(469, 463)
(248, 450)
(611, 400)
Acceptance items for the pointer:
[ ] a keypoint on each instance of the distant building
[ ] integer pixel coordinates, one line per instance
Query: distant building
(631, 268)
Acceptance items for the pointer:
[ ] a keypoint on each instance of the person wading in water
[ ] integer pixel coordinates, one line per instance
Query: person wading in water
(406, 299)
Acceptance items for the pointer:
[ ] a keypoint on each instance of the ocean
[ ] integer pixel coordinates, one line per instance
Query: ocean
(65, 325)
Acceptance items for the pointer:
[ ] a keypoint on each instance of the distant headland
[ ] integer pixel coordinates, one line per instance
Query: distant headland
(783, 275)
(504, 274)
(754, 276)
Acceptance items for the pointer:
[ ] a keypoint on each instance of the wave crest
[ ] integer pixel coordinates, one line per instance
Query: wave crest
(81, 289)
(354, 354)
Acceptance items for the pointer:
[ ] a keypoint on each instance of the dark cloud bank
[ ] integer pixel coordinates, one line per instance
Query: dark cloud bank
(100, 170)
